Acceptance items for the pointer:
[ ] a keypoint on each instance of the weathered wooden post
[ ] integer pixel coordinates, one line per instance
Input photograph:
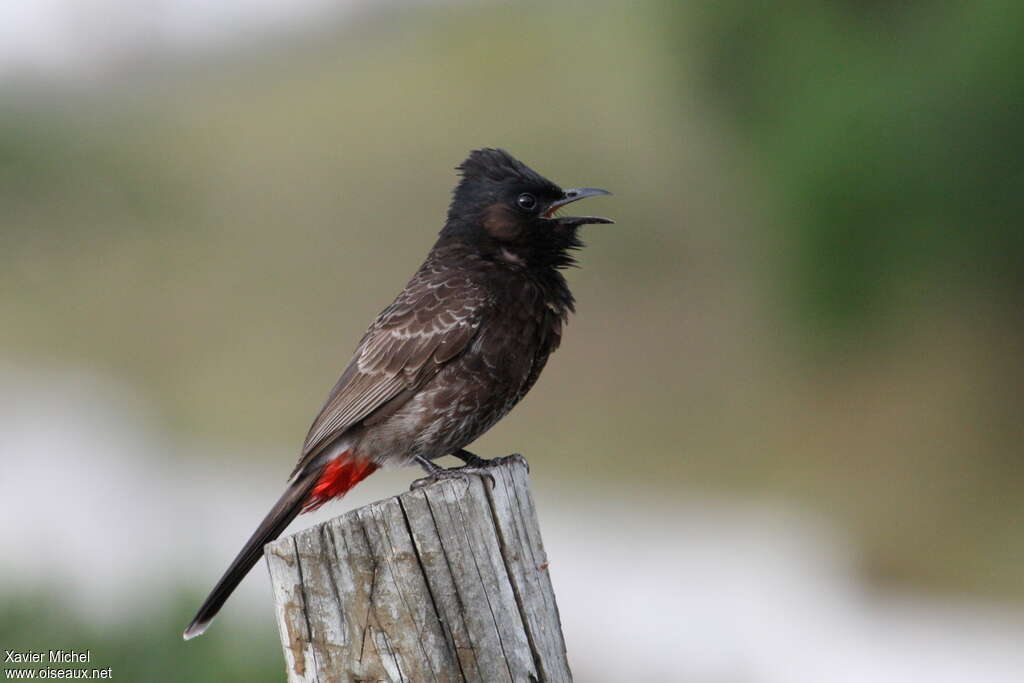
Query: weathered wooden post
(445, 583)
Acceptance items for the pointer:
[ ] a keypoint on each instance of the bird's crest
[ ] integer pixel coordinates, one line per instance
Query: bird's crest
(498, 166)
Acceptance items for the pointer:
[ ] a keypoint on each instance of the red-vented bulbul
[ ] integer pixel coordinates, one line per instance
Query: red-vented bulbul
(459, 347)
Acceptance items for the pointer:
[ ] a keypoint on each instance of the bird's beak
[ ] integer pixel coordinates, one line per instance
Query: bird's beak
(574, 195)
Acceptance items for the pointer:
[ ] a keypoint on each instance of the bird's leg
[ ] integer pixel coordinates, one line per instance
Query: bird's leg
(471, 459)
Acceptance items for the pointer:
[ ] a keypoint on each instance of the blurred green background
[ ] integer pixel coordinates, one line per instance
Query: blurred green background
(812, 294)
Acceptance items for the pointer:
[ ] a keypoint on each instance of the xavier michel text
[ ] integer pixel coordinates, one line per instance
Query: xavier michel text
(49, 657)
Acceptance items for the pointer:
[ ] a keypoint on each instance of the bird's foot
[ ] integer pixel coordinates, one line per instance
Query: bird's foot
(463, 473)
(473, 460)
(475, 466)
(438, 473)
(504, 460)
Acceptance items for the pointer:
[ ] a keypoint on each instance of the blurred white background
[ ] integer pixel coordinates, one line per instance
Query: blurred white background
(82, 38)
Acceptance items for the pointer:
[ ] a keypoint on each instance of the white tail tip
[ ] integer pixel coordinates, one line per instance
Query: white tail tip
(196, 628)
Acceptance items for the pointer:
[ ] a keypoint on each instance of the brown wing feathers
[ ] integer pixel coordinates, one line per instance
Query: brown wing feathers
(406, 345)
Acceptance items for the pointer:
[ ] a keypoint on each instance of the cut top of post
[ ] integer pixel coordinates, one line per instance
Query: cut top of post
(444, 583)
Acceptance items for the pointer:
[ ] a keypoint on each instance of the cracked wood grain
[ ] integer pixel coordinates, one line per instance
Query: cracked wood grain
(448, 583)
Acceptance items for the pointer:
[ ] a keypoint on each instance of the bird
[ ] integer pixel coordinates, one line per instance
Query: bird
(454, 352)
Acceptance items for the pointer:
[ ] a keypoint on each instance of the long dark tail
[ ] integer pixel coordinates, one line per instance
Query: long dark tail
(280, 516)
(307, 492)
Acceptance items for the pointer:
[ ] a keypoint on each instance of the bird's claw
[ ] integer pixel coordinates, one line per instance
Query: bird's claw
(515, 457)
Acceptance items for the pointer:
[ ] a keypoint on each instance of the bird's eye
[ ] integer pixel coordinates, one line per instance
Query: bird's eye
(526, 201)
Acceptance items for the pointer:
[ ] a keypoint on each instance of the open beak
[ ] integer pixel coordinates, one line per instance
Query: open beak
(574, 195)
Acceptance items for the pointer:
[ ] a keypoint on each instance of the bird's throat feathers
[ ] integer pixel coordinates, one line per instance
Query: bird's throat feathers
(495, 237)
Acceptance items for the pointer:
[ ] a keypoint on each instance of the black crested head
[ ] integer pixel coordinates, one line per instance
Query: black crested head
(498, 166)
(505, 210)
